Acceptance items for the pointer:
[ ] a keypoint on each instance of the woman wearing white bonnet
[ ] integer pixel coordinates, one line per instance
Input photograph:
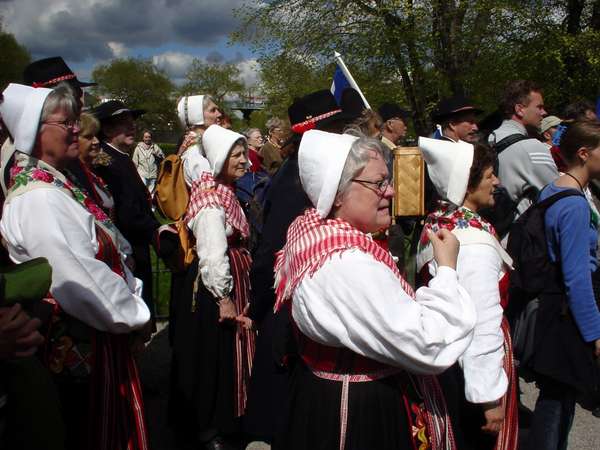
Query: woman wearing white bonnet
(212, 351)
(95, 300)
(196, 113)
(367, 342)
(463, 176)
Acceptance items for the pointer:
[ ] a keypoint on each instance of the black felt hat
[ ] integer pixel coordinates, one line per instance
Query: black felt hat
(352, 103)
(113, 108)
(389, 111)
(316, 111)
(50, 71)
(450, 106)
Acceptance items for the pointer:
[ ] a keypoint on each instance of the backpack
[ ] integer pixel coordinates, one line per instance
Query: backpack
(251, 191)
(172, 197)
(533, 268)
(172, 194)
(504, 211)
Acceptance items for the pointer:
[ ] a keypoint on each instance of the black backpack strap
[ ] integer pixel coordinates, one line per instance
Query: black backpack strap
(548, 202)
(508, 141)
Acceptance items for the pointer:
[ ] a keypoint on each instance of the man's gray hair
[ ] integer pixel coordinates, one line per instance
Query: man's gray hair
(62, 98)
(361, 152)
(274, 122)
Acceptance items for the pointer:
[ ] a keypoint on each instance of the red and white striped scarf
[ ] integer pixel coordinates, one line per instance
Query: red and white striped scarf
(207, 193)
(311, 241)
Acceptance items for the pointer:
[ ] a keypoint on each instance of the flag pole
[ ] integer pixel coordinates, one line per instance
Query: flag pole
(349, 77)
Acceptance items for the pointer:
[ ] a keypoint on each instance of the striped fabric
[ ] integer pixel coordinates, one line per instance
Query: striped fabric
(239, 263)
(207, 193)
(311, 241)
(508, 438)
(118, 421)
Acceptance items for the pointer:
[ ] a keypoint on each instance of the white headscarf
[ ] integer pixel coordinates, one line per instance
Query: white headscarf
(321, 160)
(21, 112)
(217, 143)
(449, 165)
(190, 110)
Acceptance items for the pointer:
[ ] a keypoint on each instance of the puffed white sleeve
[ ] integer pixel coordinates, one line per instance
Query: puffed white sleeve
(356, 302)
(478, 268)
(194, 164)
(209, 230)
(46, 222)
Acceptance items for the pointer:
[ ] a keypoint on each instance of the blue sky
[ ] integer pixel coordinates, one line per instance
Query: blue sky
(89, 32)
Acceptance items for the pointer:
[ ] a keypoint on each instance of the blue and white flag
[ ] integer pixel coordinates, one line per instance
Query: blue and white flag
(342, 79)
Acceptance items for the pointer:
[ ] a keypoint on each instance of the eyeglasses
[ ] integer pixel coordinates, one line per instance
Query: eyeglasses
(380, 186)
(65, 124)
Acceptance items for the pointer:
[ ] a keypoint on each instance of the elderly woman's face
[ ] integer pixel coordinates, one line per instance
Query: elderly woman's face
(58, 141)
(235, 164)
(255, 140)
(366, 202)
(212, 115)
(89, 146)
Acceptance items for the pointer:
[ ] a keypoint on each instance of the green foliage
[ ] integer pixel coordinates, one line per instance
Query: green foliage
(139, 84)
(216, 78)
(416, 52)
(168, 148)
(13, 59)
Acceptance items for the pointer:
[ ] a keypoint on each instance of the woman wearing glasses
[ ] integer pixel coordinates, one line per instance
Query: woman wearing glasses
(95, 300)
(367, 342)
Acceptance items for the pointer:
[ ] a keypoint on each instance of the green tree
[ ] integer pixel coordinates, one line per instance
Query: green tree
(13, 59)
(427, 49)
(139, 84)
(215, 78)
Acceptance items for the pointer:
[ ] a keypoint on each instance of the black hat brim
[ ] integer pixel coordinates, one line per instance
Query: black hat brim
(84, 84)
(441, 117)
(102, 116)
(344, 116)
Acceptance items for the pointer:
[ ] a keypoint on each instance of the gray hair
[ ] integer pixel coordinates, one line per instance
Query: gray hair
(274, 122)
(358, 158)
(207, 98)
(62, 98)
(249, 131)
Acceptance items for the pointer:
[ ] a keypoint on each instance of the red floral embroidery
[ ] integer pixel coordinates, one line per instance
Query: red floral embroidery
(42, 175)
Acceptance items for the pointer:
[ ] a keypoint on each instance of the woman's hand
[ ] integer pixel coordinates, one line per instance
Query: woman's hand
(445, 247)
(226, 309)
(494, 417)
(243, 319)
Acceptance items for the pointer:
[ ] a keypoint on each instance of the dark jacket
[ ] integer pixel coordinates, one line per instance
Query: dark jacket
(134, 216)
(133, 211)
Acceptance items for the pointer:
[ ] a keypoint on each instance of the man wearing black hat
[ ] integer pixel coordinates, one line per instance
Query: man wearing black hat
(394, 127)
(285, 201)
(49, 72)
(457, 117)
(133, 210)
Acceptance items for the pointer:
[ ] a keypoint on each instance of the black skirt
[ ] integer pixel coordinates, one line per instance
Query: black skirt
(377, 417)
(202, 395)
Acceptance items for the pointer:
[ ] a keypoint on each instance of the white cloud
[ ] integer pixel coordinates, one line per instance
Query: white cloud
(175, 64)
(118, 49)
(82, 29)
(249, 72)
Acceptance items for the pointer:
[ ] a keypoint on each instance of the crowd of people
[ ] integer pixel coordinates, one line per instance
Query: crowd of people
(291, 317)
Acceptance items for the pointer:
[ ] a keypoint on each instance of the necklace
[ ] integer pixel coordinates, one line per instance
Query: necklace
(576, 180)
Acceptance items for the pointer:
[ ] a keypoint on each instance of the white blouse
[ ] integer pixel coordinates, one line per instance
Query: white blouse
(211, 233)
(356, 302)
(48, 223)
(194, 164)
(479, 268)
